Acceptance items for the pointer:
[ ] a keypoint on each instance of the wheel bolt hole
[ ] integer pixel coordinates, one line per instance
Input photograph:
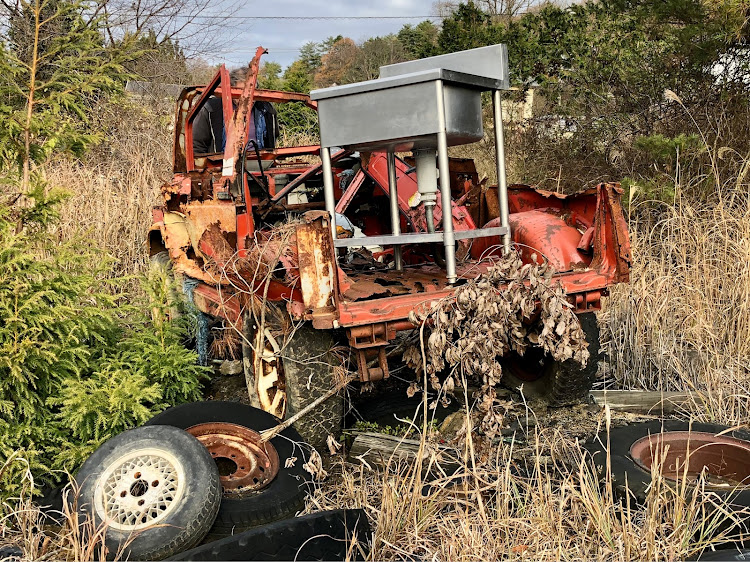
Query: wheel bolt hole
(154, 484)
(139, 488)
(141, 502)
(137, 475)
(226, 466)
(123, 493)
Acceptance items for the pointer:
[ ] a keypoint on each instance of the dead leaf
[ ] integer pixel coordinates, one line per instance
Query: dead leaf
(333, 445)
(315, 466)
(412, 390)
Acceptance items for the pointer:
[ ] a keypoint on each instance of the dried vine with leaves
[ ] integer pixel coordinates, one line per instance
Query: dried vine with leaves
(508, 309)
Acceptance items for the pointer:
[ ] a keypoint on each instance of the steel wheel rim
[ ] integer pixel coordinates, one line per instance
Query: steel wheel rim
(270, 384)
(245, 462)
(723, 460)
(139, 489)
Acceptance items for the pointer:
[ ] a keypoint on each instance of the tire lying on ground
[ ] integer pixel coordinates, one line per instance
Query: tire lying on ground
(154, 490)
(261, 482)
(293, 372)
(722, 455)
(325, 535)
(559, 383)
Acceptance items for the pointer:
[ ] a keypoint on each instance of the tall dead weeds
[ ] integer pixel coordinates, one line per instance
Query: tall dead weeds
(548, 506)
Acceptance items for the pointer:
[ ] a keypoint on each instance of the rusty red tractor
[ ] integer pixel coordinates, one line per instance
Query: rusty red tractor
(315, 252)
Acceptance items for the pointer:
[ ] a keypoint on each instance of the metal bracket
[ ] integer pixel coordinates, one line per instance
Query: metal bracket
(370, 342)
(369, 372)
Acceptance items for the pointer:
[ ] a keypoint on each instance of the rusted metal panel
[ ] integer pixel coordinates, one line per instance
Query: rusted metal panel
(219, 303)
(318, 275)
(394, 308)
(220, 216)
(582, 230)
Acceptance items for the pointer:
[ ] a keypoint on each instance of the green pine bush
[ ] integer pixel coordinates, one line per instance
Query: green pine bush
(79, 362)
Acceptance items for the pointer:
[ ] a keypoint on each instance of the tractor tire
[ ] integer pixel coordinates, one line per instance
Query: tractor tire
(177, 483)
(309, 370)
(557, 383)
(630, 463)
(281, 498)
(305, 369)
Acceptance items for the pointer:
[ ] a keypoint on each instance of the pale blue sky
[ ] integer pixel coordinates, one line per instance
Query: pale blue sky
(282, 38)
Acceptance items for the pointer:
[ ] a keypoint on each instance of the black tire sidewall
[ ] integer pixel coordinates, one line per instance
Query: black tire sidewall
(625, 470)
(189, 521)
(283, 496)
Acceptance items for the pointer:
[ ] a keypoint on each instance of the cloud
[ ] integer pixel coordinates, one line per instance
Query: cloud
(283, 38)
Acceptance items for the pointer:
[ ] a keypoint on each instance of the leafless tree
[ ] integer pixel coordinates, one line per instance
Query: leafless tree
(200, 26)
(505, 9)
(444, 8)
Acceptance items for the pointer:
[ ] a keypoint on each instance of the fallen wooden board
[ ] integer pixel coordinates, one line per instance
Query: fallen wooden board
(371, 448)
(645, 401)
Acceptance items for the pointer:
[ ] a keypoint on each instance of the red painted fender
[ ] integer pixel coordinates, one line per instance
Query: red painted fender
(540, 235)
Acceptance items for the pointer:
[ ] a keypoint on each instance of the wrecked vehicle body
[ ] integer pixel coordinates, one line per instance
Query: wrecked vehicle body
(352, 240)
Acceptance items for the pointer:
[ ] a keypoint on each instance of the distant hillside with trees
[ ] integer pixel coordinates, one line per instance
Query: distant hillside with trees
(604, 64)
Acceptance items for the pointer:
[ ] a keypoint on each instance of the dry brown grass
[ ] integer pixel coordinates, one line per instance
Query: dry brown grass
(548, 506)
(40, 537)
(684, 320)
(114, 188)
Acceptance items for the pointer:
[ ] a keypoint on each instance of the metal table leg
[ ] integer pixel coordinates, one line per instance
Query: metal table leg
(502, 186)
(445, 188)
(325, 157)
(395, 216)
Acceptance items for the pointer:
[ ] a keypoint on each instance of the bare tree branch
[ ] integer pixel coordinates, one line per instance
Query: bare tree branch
(183, 21)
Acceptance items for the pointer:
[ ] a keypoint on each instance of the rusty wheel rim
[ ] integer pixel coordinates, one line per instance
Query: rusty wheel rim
(723, 461)
(245, 463)
(270, 384)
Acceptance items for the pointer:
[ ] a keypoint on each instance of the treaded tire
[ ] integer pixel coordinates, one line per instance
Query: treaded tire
(325, 535)
(309, 368)
(623, 466)
(725, 554)
(11, 553)
(562, 383)
(309, 371)
(383, 409)
(282, 498)
(189, 506)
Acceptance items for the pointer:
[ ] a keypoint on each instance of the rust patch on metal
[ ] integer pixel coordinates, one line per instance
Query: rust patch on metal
(245, 462)
(317, 268)
(213, 244)
(362, 285)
